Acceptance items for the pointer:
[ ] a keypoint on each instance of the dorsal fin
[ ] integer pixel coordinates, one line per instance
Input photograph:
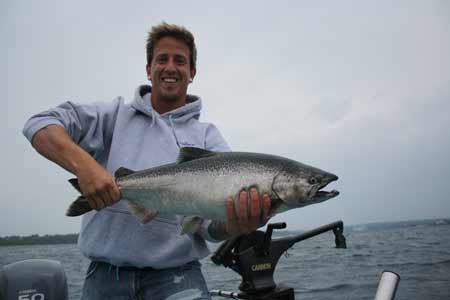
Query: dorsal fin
(121, 172)
(191, 153)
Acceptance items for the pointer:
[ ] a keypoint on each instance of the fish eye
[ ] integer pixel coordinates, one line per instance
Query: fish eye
(312, 180)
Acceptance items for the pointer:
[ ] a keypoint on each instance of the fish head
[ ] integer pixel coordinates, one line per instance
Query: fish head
(298, 185)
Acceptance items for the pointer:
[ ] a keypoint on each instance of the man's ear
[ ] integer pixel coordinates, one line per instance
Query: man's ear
(193, 72)
(148, 70)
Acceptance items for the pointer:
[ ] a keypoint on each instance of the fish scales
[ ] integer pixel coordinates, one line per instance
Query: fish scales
(200, 186)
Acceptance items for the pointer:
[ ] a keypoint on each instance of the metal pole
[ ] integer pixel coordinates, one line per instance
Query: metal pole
(387, 286)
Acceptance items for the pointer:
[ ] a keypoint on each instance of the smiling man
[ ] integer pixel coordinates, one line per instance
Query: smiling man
(130, 260)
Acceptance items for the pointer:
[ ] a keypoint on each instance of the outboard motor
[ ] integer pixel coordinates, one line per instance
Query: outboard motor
(33, 279)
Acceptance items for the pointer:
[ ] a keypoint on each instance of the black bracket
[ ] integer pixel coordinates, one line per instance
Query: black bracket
(255, 255)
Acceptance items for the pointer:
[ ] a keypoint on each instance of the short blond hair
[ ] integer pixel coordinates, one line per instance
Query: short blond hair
(178, 32)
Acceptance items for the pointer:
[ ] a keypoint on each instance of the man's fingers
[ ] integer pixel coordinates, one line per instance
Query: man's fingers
(106, 198)
(99, 186)
(92, 203)
(231, 225)
(243, 207)
(102, 200)
(255, 207)
(103, 194)
(95, 202)
(255, 210)
(231, 214)
(266, 207)
(114, 194)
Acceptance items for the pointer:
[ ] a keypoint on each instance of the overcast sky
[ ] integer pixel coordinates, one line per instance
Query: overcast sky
(358, 88)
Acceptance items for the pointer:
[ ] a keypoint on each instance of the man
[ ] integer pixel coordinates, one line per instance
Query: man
(151, 261)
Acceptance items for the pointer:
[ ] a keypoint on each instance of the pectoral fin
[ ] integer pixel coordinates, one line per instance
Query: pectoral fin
(191, 224)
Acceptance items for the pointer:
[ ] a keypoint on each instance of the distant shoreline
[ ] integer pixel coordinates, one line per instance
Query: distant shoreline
(72, 238)
(36, 239)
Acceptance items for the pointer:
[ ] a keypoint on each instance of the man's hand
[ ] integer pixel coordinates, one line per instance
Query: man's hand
(96, 183)
(253, 212)
(98, 186)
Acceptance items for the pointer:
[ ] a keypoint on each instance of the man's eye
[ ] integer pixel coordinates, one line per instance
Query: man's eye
(180, 61)
(161, 59)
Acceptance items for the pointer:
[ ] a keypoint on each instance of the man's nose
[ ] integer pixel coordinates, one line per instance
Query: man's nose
(170, 66)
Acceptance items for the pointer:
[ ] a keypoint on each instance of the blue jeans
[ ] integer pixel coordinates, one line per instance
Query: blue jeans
(104, 281)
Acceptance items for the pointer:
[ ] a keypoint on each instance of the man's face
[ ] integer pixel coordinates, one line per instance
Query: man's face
(170, 70)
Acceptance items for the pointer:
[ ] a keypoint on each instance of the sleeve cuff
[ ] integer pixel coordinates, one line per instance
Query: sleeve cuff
(33, 126)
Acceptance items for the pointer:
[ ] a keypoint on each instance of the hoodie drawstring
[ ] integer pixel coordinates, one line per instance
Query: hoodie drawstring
(173, 130)
(153, 118)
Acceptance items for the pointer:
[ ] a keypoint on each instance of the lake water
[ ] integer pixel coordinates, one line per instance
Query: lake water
(419, 252)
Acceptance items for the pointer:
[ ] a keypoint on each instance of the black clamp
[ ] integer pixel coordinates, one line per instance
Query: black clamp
(255, 255)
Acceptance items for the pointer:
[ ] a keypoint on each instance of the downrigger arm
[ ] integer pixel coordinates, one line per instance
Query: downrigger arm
(255, 255)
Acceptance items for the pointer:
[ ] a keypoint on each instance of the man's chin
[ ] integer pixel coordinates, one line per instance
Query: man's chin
(170, 97)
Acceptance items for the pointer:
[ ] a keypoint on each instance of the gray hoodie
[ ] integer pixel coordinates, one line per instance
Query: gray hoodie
(137, 137)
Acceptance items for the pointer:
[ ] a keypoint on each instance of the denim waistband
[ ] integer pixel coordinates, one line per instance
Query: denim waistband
(124, 268)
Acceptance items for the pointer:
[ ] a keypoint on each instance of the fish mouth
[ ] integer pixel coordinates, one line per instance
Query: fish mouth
(318, 195)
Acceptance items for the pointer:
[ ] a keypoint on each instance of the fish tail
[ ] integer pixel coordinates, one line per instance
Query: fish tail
(78, 207)
(75, 184)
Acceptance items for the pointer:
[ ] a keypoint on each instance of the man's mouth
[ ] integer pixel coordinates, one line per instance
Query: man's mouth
(169, 79)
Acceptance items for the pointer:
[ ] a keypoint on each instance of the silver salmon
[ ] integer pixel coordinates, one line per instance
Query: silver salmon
(198, 184)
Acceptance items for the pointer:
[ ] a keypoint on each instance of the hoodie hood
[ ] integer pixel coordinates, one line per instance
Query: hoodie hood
(143, 104)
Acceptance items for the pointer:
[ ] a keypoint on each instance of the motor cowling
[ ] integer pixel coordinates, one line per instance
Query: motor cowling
(33, 279)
